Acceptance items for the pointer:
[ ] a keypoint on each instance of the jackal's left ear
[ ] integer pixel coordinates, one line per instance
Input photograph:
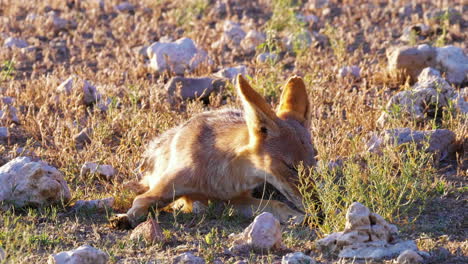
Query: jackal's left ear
(260, 117)
(294, 102)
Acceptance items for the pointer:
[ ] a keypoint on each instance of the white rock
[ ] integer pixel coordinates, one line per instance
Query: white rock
(9, 113)
(2, 254)
(107, 171)
(328, 243)
(439, 141)
(453, 61)
(252, 40)
(418, 31)
(297, 258)
(264, 233)
(28, 183)
(15, 43)
(57, 22)
(233, 32)
(191, 88)
(366, 236)
(430, 92)
(377, 252)
(125, 7)
(179, 56)
(356, 216)
(411, 60)
(83, 255)
(353, 71)
(67, 85)
(409, 257)
(267, 57)
(311, 19)
(89, 92)
(187, 258)
(100, 204)
(3, 133)
(149, 231)
(232, 72)
(8, 100)
(462, 101)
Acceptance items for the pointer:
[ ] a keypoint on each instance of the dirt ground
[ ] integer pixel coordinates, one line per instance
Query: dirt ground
(102, 45)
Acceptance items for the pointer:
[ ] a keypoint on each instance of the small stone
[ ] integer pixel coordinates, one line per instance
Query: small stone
(9, 114)
(179, 56)
(8, 100)
(3, 133)
(252, 40)
(199, 208)
(192, 88)
(107, 171)
(15, 43)
(89, 92)
(461, 100)
(453, 61)
(310, 19)
(267, 57)
(66, 86)
(232, 72)
(357, 216)
(187, 258)
(264, 233)
(59, 23)
(83, 137)
(297, 258)
(352, 71)
(24, 182)
(100, 204)
(415, 32)
(219, 9)
(2, 254)
(411, 60)
(409, 257)
(233, 32)
(125, 7)
(83, 255)
(148, 231)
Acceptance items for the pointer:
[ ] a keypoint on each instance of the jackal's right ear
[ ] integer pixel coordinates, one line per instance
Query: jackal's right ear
(260, 118)
(294, 102)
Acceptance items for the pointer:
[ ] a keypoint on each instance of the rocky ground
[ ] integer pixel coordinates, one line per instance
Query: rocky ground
(86, 84)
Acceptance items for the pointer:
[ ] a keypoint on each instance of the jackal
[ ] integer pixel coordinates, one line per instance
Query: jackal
(223, 155)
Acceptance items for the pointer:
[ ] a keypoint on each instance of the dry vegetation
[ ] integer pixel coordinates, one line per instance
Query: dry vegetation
(103, 48)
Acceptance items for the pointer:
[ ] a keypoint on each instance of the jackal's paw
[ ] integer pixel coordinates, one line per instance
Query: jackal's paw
(120, 221)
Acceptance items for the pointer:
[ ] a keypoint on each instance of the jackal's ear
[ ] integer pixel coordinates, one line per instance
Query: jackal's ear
(260, 118)
(294, 103)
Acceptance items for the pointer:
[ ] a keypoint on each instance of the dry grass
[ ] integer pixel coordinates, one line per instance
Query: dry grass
(103, 49)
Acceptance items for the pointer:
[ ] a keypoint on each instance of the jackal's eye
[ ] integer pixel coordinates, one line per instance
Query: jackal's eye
(263, 130)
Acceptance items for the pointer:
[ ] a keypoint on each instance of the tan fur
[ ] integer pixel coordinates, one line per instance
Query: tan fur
(223, 155)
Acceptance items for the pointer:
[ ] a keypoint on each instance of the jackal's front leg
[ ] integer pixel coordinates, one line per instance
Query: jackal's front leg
(140, 208)
(249, 206)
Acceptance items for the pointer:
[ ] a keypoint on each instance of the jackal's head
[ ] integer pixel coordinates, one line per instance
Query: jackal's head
(279, 142)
